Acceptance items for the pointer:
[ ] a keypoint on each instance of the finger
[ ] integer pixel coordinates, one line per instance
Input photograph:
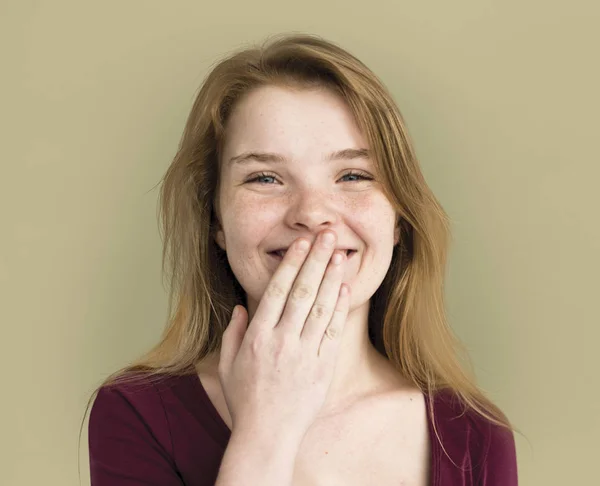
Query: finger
(321, 312)
(332, 337)
(272, 304)
(306, 286)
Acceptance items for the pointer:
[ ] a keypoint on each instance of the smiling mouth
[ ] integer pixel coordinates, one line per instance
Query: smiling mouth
(280, 253)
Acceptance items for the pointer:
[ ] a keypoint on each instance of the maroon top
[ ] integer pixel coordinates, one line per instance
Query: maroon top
(169, 433)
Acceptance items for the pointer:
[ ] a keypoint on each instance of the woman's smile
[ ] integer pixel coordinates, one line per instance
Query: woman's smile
(278, 255)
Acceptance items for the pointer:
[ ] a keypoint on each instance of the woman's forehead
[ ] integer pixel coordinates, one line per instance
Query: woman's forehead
(291, 123)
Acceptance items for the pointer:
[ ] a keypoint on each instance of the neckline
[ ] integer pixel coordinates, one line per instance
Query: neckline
(222, 433)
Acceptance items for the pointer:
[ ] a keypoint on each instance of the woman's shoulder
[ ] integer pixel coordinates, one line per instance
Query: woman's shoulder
(468, 437)
(136, 385)
(155, 428)
(138, 394)
(452, 411)
(454, 417)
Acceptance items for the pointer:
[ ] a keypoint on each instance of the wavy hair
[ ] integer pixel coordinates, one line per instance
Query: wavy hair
(407, 318)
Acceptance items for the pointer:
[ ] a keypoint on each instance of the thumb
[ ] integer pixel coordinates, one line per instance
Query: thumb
(233, 337)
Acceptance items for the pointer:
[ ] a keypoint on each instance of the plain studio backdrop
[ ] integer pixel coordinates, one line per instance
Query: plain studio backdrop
(500, 97)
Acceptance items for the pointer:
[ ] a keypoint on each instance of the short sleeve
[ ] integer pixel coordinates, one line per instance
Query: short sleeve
(499, 467)
(123, 446)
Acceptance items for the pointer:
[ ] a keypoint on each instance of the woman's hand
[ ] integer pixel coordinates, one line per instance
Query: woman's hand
(275, 373)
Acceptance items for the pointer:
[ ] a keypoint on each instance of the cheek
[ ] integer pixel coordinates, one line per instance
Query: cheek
(246, 229)
(374, 215)
(246, 216)
(246, 204)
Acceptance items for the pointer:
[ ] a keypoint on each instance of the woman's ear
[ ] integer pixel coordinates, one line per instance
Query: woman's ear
(217, 229)
(220, 238)
(397, 233)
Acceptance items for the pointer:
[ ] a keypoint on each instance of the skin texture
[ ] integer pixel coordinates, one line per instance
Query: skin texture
(301, 197)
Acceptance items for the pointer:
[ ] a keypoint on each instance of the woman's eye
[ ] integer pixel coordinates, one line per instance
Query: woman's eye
(359, 175)
(259, 177)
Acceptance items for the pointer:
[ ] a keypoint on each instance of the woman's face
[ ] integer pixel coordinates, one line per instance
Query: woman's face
(302, 194)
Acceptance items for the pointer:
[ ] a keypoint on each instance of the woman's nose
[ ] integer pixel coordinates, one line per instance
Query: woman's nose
(313, 210)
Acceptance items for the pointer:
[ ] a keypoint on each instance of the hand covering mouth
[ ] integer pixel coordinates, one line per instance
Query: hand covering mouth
(281, 252)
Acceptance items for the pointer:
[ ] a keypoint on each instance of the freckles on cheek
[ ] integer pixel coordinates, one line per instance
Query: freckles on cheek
(363, 209)
(243, 203)
(252, 212)
(247, 224)
(238, 213)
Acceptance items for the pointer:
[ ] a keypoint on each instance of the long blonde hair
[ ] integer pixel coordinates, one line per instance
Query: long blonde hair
(407, 320)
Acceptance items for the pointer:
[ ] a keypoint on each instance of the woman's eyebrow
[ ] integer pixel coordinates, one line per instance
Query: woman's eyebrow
(270, 157)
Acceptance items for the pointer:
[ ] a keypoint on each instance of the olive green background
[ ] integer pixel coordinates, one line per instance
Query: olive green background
(501, 99)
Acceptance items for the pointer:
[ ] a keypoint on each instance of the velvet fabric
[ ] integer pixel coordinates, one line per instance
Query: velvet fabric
(168, 433)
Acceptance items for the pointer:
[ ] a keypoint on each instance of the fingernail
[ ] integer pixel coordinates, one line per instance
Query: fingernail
(328, 239)
(303, 245)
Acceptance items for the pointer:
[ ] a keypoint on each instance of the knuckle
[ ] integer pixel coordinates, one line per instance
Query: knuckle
(319, 311)
(331, 332)
(274, 289)
(301, 292)
(257, 343)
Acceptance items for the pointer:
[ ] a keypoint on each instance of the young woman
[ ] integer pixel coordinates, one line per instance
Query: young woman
(337, 365)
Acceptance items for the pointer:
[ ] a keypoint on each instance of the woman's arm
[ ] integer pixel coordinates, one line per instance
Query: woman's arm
(263, 459)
